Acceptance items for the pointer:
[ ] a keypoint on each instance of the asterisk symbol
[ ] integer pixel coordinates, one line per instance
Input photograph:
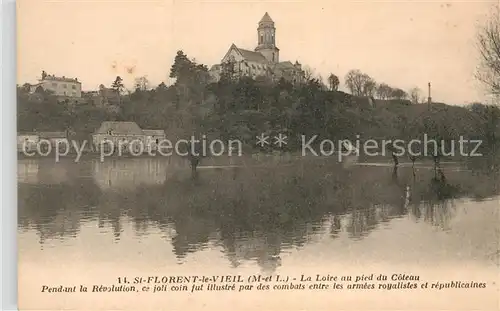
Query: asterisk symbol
(280, 140)
(262, 140)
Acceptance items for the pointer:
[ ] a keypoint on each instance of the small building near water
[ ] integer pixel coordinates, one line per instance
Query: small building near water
(126, 135)
(112, 134)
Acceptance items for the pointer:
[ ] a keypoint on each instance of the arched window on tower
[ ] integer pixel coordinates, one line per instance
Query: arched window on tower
(272, 38)
(261, 39)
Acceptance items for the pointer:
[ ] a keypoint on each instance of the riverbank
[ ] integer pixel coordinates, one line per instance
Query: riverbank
(287, 156)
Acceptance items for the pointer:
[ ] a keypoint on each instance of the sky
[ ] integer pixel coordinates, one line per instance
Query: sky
(403, 43)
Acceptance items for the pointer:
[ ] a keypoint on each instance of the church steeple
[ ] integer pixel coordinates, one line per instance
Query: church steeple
(267, 39)
(266, 19)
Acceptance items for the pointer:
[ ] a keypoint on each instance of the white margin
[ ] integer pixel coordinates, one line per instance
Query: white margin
(8, 157)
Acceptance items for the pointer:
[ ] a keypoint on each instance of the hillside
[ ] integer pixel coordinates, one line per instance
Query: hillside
(245, 108)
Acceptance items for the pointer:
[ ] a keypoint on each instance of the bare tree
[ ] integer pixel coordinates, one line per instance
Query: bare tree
(354, 81)
(334, 82)
(370, 87)
(416, 95)
(308, 73)
(142, 83)
(398, 93)
(489, 50)
(360, 84)
(383, 91)
(321, 82)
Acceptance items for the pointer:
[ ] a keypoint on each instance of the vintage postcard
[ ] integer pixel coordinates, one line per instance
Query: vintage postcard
(258, 155)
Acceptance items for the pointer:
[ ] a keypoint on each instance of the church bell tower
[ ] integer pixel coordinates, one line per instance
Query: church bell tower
(267, 39)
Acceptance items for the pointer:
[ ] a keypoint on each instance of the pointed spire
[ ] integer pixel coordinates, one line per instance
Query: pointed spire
(266, 19)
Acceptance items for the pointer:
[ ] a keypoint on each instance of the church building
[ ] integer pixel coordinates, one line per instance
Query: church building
(262, 61)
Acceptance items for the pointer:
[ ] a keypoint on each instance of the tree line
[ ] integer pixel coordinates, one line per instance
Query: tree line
(361, 84)
(242, 108)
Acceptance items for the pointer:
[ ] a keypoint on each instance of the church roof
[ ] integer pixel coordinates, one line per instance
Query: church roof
(266, 18)
(252, 56)
(247, 55)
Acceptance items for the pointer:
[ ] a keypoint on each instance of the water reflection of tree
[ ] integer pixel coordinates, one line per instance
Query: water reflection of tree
(56, 211)
(255, 214)
(436, 200)
(377, 200)
(252, 216)
(110, 212)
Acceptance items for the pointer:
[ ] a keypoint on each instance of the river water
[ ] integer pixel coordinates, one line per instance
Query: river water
(92, 222)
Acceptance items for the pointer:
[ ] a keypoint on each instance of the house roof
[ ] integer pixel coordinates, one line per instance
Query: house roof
(266, 19)
(65, 79)
(52, 134)
(120, 128)
(154, 132)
